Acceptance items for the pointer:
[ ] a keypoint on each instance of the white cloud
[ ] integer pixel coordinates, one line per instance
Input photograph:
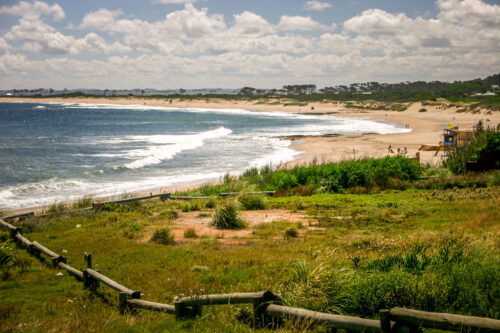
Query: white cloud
(103, 19)
(299, 23)
(248, 23)
(377, 21)
(4, 47)
(316, 5)
(43, 38)
(192, 47)
(34, 10)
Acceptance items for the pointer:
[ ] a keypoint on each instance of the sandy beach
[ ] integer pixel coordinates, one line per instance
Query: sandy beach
(427, 127)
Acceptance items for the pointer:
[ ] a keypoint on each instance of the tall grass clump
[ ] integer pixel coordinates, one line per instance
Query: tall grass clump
(55, 208)
(227, 217)
(7, 258)
(252, 201)
(446, 277)
(83, 203)
(163, 236)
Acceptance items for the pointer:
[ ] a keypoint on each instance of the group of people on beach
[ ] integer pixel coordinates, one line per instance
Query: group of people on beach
(401, 151)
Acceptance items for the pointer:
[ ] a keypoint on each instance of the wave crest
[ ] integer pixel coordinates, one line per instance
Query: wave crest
(167, 146)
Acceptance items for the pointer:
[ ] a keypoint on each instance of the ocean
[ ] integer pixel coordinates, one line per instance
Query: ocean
(53, 152)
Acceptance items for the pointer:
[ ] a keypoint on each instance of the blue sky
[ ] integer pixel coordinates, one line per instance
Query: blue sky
(229, 44)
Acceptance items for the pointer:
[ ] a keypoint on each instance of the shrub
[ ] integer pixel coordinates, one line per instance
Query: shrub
(252, 201)
(250, 173)
(186, 207)
(163, 236)
(422, 110)
(190, 233)
(7, 258)
(7, 255)
(227, 217)
(283, 179)
(211, 203)
(291, 232)
(171, 214)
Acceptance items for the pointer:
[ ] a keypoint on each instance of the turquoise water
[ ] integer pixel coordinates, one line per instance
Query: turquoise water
(52, 152)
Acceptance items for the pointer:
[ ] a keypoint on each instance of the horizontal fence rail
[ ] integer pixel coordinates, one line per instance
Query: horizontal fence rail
(139, 303)
(11, 217)
(324, 319)
(73, 271)
(266, 304)
(444, 321)
(8, 226)
(233, 194)
(190, 198)
(236, 298)
(22, 240)
(92, 274)
(161, 195)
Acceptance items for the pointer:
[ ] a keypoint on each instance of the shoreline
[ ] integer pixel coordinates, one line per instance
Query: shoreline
(426, 128)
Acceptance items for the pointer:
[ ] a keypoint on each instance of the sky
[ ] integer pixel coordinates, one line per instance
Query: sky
(172, 44)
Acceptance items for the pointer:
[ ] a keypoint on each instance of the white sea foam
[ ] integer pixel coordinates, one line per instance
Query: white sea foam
(57, 190)
(281, 153)
(344, 125)
(167, 146)
(138, 151)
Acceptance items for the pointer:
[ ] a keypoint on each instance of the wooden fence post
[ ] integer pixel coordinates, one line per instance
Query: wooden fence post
(259, 308)
(385, 321)
(122, 303)
(180, 310)
(88, 259)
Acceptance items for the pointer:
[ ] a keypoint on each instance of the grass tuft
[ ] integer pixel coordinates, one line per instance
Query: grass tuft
(163, 236)
(252, 201)
(227, 217)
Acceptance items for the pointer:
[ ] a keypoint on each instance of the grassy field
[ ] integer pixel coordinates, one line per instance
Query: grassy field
(430, 249)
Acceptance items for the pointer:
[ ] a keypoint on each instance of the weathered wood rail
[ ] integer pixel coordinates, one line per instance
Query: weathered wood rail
(190, 198)
(233, 194)
(90, 274)
(266, 304)
(22, 215)
(162, 196)
(444, 321)
(323, 319)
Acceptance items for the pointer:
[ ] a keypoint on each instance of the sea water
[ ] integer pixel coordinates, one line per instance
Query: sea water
(53, 152)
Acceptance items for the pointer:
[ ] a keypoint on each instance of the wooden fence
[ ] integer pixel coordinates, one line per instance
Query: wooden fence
(162, 196)
(268, 310)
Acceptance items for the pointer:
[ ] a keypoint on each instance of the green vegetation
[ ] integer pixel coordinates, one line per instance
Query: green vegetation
(366, 174)
(163, 236)
(291, 232)
(227, 217)
(375, 241)
(190, 233)
(252, 201)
